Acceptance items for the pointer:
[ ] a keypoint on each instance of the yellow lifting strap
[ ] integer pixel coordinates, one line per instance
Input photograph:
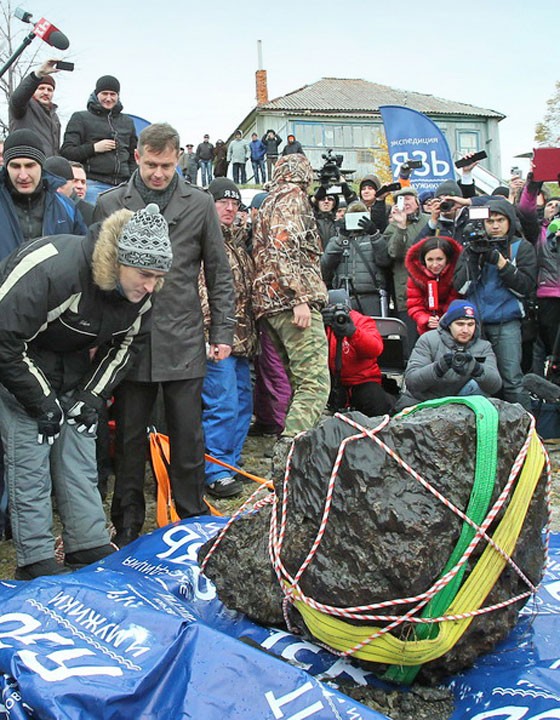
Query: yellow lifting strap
(388, 649)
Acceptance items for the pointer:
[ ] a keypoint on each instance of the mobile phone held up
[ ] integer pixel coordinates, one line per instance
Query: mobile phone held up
(63, 65)
(400, 202)
(464, 161)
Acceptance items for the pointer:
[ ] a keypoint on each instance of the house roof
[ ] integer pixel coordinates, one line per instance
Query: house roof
(342, 96)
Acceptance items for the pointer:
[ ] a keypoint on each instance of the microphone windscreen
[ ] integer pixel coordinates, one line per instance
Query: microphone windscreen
(58, 40)
(541, 388)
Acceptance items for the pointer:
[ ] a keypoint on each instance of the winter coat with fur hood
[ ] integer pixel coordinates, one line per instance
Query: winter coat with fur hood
(417, 285)
(286, 244)
(58, 300)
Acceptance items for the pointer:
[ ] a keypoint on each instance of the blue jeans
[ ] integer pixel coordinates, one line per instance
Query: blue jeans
(94, 187)
(259, 173)
(506, 343)
(239, 174)
(205, 172)
(227, 400)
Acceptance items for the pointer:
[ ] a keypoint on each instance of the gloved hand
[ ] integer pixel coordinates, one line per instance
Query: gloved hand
(405, 171)
(49, 421)
(368, 226)
(443, 365)
(492, 256)
(345, 328)
(461, 361)
(476, 369)
(84, 416)
(533, 186)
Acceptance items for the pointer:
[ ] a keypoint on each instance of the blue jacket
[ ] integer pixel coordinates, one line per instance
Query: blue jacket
(60, 215)
(258, 149)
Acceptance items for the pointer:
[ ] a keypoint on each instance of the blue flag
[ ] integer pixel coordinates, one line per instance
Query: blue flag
(413, 136)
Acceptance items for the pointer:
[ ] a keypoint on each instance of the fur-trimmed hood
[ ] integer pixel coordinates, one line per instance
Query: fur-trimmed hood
(420, 273)
(104, 265)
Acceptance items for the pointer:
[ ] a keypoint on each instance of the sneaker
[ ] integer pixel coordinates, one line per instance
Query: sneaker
(81, 558)
(40, 568)
(224, 487)
(258, 429)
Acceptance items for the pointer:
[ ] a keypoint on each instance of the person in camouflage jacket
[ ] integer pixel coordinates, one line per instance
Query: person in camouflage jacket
(288, 291)
(227, 394)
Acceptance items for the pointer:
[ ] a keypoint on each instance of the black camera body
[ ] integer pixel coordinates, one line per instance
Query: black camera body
(446, 205)
(329, 173)
(337, 314)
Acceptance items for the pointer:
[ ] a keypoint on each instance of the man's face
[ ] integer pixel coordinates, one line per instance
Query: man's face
(462, 330)
(80, 182)
(326, 204)
(368, 193)
(108, 99)
(25, 175)
(496, 226)
(44, 94)
(551, 208)
(136, 283)
(156, 169)
(189, 149)
(410, 204)
(206, 138)
(291, 139)
(227, 210)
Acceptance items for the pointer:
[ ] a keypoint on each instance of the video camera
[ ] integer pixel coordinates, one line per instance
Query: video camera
(474, 235)
(330, 173)
(337, 314)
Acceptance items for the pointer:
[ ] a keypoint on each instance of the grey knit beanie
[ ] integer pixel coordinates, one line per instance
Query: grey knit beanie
(144, 242)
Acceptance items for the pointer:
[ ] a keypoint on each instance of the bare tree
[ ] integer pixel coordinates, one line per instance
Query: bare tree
(12, 34)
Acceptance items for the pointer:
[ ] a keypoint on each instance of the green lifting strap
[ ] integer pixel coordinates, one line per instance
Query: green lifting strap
(487, 419)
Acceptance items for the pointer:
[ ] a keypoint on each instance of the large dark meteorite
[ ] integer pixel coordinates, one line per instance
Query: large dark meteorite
(387, 537)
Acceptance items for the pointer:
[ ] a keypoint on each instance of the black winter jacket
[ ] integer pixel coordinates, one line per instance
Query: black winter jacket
(28, 113)
(87, 127)
(55, 311)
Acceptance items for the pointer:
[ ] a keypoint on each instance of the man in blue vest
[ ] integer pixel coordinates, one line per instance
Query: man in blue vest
(498, 272)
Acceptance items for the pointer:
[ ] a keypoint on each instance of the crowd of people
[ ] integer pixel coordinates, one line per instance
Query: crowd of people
(121, 277)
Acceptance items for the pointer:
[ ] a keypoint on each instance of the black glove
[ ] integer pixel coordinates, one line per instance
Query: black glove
(84, 416)
(533, 186)
(492, 256)
(368, 226)
(443, 365)
(405, 171)
(344, 329)
(477, 369)
(49, 421)
(461, 361)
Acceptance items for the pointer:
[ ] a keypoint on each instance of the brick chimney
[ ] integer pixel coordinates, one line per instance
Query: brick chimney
(262, 87)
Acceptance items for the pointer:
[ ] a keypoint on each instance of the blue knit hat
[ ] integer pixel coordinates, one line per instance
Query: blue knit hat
(457, 310)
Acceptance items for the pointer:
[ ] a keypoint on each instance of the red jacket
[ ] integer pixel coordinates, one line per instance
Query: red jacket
(359, 352)
(417, 284)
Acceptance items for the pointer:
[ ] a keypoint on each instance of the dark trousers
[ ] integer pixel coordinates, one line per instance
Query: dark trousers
(239, 173)
(134, 403)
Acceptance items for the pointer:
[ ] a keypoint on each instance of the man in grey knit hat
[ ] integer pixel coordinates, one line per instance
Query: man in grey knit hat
(60, 297)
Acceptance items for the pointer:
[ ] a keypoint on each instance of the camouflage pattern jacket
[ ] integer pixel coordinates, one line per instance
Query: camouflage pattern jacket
(286, 243)
(243, 272)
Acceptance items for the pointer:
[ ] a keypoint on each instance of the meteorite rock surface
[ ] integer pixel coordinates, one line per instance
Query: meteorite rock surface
(387, 536)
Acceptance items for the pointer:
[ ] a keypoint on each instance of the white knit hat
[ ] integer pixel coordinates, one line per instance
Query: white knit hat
(144, 241)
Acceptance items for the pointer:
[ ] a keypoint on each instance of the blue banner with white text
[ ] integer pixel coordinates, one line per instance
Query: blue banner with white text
(411, 135)
(143, 635)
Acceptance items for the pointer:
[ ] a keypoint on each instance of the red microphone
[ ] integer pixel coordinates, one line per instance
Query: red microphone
(51, 34)
(433, 299)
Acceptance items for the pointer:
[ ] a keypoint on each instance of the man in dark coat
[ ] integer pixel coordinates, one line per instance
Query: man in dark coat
(60, 297)
(102, 138)
(175, 359)
(32, 107)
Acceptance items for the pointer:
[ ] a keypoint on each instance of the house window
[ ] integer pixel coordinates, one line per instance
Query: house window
(467, 141)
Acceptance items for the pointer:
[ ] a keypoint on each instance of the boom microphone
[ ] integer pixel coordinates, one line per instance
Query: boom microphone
(541, 388)
(51, 35)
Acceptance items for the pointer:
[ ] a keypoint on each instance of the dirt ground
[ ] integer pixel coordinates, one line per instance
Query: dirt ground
(420, 703)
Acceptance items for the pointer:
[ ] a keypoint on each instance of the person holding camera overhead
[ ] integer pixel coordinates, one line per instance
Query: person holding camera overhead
(498, 271)
(356, 262)
(354, 346)
(451, 360)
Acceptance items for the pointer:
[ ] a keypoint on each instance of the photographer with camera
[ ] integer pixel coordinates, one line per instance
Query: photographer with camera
(498, 271)
(354, 346)
(356, 262)
(325, 200)
(451, 360)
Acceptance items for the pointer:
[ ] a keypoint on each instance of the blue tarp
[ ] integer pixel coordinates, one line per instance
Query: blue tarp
(143, 635)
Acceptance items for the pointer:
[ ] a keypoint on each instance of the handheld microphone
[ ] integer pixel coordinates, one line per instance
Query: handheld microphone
(541, 388)
(433, 299)
(51, 35)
